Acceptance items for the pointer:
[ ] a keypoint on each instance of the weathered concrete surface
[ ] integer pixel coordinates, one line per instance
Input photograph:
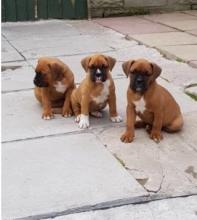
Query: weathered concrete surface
(22, 119)
(165, 39)
(9, 53)
(133, 25)
(51, 175)
(168, 167)
(170, 209)
(184, 52)
(183, 25)
(17, 76)
(81, 42)
(55, 148)
(174, 34)
(175, 16)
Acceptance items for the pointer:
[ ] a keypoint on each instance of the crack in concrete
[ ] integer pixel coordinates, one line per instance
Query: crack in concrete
(159, 188)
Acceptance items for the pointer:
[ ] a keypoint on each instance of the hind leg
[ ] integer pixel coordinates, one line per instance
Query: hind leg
(176, 125)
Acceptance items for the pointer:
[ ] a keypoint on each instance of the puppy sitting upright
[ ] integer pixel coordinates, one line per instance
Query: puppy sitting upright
(95, 91)
(54, 83)
(158, 107)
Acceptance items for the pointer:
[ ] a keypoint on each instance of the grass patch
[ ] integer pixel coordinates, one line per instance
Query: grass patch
(120, 160)
(191, 95)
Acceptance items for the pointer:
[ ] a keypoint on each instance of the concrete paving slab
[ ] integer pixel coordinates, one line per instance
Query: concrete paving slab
(8, 53)
(169, 209)
(33, 30)
(174, 16)
(21, 108)
(52, 28)
(178, 73)
(194, 32)
(182, 25)
(58, 46)
(52, 175)
(184, 52)
(68, 39)
(133, 25)
(193, 63)
(165, 39)
(17, 76)
(168, 167)
(191, 12)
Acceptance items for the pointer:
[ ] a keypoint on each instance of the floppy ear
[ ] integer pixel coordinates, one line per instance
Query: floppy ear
(156, 70)
(111, 61)
(85, 61)
(126, 66)
(57, 70)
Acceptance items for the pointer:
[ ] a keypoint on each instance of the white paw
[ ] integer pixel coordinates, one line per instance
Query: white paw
(48, 117)
(116, 119)
(84, 121)
(97, 114)
(77, 119)
(67, 115)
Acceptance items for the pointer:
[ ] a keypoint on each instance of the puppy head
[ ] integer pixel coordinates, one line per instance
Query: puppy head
(142, 73)
(48, 71)
(98, 66)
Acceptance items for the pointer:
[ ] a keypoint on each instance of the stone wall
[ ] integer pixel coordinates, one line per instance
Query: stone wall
(104, 8)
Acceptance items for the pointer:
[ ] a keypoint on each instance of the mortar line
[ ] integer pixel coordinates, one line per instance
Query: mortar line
(82, 131)
(105, 205)
(46, 136)
(24, 58)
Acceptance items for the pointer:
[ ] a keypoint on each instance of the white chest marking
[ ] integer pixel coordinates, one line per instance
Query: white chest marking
(140, 105)
(104, 93)
(60, 87)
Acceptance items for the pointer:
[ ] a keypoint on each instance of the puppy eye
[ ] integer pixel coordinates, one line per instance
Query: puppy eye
(92, 67)
(104, 66)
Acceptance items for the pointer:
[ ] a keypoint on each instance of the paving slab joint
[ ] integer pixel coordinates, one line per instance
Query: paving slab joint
(24, 58)
(106, 205)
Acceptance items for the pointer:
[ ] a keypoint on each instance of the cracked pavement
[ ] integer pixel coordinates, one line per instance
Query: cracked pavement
(54, 169)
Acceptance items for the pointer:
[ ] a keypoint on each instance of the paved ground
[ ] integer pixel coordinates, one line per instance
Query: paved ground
(54, 169)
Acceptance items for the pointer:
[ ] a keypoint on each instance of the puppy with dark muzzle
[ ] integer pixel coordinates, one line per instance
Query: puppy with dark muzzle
(152, 103)
(54, 83)
(95, 91)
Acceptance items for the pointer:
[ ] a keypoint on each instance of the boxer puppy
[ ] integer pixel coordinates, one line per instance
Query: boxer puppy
(158, 109)
(95, 91)
(54, 82)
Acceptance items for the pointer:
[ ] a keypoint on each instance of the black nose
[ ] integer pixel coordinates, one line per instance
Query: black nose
(139, 80)
(98, 72)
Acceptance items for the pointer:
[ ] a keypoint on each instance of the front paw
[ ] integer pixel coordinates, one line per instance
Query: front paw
(67, 112)
(47, 115)
(127, 137)
(116, 119)
(156, 136)
(84, 121)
